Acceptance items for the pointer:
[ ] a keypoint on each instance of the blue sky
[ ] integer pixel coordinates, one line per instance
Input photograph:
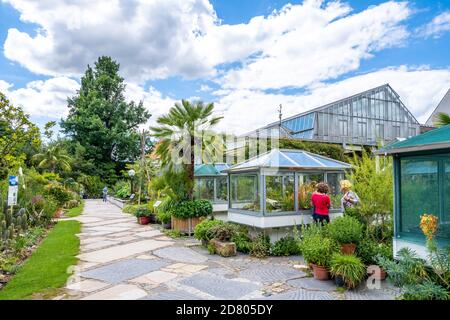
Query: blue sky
(246, 56)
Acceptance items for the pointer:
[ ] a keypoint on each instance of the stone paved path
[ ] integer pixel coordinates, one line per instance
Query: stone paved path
(121, 259)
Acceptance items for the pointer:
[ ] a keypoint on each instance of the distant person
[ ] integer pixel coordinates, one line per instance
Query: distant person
(105, 194)
(349, 199)
(321, 202)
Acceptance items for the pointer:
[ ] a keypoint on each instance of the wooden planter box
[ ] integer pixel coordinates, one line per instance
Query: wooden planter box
(185, 225)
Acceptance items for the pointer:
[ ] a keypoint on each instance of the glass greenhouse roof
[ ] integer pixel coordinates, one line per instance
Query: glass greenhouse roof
(290, 159)
(210, 169)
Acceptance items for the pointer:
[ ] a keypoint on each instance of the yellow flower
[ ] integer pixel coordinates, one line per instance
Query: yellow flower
(429, 225)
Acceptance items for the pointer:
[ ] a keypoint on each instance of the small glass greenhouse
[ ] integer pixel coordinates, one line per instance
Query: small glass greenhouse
(211, 183)
(422, 186)
(274, 189)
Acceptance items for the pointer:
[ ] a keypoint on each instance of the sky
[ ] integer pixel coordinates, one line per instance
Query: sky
(246, 56)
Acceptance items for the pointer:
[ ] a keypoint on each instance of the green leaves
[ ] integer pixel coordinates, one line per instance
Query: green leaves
(345, 230)
(192, 209)
(442, 119)
(349, 267)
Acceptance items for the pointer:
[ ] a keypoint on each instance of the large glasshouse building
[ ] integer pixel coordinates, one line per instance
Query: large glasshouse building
(367, 118)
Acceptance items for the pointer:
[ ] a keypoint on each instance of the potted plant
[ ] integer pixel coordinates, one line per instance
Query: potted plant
(186, 215)
(317, 251)
(368, 250)
(165, 218)
(347, 231)
(220, 235)
(347, 269)
(143, 215)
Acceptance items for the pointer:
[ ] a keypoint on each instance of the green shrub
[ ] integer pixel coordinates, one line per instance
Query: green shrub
(260, 246)
(72, 204)
(202, 230)
(318, 250)
(58, 192)
(143, 211)
(163, 217)
(222, 231)
(368, 249)
(49, 208)
(122, 189)
(349, 267)
(286, 246)
(345, 230)
(243, 242)
(425, 291)
(192, 209)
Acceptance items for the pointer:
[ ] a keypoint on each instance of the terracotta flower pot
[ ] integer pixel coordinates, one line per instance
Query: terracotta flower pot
(320, 273)
(348, 248)
(144, 220)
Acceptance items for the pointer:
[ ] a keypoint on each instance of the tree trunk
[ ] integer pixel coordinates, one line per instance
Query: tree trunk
(191, 167)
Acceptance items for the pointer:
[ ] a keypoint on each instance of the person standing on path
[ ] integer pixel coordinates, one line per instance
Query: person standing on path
(349, 199)
(321, 203)
(105, 194)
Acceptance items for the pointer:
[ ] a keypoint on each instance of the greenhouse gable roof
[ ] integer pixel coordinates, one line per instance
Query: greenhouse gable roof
(210, 169)
(431, 140)
(290, 159)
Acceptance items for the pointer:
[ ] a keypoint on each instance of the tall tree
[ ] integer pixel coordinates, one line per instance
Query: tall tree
(186, 126)
(102, 121)
(17, 133)
(53, 158)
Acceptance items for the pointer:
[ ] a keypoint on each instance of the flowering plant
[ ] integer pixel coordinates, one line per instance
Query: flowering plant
(429, 225)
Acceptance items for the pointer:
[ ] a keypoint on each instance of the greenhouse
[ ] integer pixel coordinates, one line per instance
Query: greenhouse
(422, 186)
(274, 189)
(211, 184)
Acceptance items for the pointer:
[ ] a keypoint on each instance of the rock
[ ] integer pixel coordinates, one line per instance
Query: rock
(225, 249)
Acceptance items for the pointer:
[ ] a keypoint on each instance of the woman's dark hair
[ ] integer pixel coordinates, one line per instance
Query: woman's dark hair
(322, 187)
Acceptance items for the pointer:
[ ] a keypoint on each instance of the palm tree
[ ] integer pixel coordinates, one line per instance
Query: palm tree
(442, 119)
(186, 126)
(52, 158)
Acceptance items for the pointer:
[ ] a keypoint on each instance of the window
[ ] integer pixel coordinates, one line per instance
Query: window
(280, 193)
(343, 128)
(362, 129)
(244, 192)
(411, 132)
(379, 131)
(306, 186)
(444, 225)
(333, 180)
(222, 189)
(396, 131)
(204, 188)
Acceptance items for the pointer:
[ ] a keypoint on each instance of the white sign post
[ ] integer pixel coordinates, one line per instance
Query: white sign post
(13, 190)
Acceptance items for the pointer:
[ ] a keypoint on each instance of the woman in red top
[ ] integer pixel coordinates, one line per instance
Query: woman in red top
(321, 203)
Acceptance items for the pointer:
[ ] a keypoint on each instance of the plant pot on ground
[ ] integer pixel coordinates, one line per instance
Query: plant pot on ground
(58, 212)
(347, 231)
(202, 231)
(349, 267)
(318, 250)
(186, 215)
(143, 215)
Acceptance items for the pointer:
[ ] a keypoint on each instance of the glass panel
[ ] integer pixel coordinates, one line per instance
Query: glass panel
(419, 193)
(222, 188)
(306, 186)
(204, 188)
(333, 180)
(245, 192)
(279, 193)
(444, 226)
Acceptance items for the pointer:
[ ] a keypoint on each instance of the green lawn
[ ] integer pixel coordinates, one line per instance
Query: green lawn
(75, 212)
(46, 269)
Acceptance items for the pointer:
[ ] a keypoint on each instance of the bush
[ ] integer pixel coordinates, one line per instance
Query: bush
(143, 211)
(286, 246)
(222, 231)
(202, 230)
(243, 242)
(260, 246)
(425, 291)
(163, 217)
(318, 250)
(122, 189)
(72, 204)
(345, 230)
(349, 267)
(58, 192)
(192, 209)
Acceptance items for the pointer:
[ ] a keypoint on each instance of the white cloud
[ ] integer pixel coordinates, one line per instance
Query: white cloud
(420, 89)
(436, 27)
(205, 88)
(47, 98)
(296, 45)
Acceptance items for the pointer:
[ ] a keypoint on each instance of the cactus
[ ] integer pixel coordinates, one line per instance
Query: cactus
(11, 231)
(24, 223)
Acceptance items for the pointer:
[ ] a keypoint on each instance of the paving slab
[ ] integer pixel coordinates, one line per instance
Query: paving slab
(219, 287)
(119, 292)
(155, 277)
(123, 251)
(301, 294)
(87, 285)
(173, 295)
(99, 244)
(181, 254)
(313, 284)
(270, 273)
(149, 234)
(124, 270)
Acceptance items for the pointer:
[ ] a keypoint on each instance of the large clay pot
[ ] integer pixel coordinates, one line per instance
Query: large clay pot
(348, 248)
(144, 220)
(320, 273)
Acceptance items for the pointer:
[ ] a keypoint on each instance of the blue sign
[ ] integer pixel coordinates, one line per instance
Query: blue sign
(13, 180)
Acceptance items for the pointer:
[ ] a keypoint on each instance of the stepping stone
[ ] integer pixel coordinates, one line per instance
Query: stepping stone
(90, 240)
(121, 234)
(163, 238)
(123, 251)
(124, 270)
(149, 234)
(184, 268)
(301, 294)
(368, 294)
(87, 285)
(313, 284)
(180, 254)
(146, 257)
(270, 273)
(119, 292)
(173, 295)
(99, 244)
(125, 239)
(155, 277)
(107, 228)
(219, 287)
